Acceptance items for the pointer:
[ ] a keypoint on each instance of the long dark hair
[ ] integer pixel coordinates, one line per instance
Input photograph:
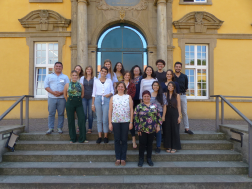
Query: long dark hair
(122, 70)
(132, 71)
(159, 96)
(81, 72)
(173, 77)
(153, 75)
(174, 95)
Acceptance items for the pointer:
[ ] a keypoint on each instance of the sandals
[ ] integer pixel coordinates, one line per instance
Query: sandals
(168, 151)
(173, 151)
(89, 131)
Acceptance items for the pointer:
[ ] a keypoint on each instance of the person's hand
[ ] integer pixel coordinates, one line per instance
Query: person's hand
(107, 95)
(56, 93)
(163, 118)
(110, 127)
(139, 133)
(157, 129)
(179, 120)
(93, 108)
(130, 126)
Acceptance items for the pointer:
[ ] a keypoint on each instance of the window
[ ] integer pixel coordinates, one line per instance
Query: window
(46, 54)
(196, 69)
(196, 1)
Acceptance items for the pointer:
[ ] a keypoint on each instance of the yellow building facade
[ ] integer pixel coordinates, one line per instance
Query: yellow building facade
(212, 38)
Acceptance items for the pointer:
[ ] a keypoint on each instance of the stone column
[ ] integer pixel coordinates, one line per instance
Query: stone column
(73, 46)
(161, 30)
(82, 36)
(170, 46)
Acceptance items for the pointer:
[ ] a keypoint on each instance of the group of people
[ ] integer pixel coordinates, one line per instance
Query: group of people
(123, 101)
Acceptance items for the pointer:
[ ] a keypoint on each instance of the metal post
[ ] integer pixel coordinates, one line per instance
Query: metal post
(21, 112)
(222, 111)
(27, 115)
(217, 115)
(250, 150)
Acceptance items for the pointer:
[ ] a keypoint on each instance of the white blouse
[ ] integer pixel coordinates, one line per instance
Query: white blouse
(102, 89)
(146, 84)
(121, 109)
(109, 77)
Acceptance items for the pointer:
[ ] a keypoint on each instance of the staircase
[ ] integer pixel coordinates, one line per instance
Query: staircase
(50, 161)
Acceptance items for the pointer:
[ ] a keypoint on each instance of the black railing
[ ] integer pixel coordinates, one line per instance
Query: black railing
(223, 99)
(20, 100)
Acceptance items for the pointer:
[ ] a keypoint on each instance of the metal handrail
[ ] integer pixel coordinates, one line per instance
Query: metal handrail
(20, 100)
(223, 99)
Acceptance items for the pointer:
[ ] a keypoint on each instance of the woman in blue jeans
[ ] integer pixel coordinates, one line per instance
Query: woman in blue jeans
(102, 91)
(159, 98)
(87, 81)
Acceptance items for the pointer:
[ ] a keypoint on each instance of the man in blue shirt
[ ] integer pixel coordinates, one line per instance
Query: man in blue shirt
(54, 84)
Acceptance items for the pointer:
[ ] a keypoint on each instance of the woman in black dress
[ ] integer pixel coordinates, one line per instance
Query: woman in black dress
(172, 120)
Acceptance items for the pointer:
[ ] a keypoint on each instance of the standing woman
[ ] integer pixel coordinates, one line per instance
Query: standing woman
(121, 120)
(172, 120)
(119, 71)
(159, 98)
(147, 121)
(102, 91)
(73, 93)
(131, 90)
(136, 77)
(79, 70)
(149, 77)
(87, 81)
(111, 75)
(169, 77)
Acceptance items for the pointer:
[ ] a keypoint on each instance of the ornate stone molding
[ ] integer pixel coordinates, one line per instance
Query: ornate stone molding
(102, 5)
(198, 22)
(44, 20)
(84, 1)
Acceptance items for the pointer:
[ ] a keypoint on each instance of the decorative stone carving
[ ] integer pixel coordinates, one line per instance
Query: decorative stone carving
(122, 15)
(102, 5)
(198, 22)
(44, 20)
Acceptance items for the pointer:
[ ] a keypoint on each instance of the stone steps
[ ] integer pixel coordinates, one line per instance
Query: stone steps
(127, 181)
(91, 145)
(109, 168)
(198, 135)
(109, 156)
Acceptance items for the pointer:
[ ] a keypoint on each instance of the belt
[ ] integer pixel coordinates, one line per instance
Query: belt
(182, 93)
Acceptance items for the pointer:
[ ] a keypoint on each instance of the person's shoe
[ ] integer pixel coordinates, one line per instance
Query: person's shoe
(98, 140)
(140, 163)
(150, 163)
(189, 132)
(49, 131)
(157, 150)
(105, 140)
(60, 131)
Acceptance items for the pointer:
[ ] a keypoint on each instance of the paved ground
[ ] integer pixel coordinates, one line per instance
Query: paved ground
(40, 125)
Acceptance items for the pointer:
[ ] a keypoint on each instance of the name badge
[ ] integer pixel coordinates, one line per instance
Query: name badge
(62, 80)
(152, 106)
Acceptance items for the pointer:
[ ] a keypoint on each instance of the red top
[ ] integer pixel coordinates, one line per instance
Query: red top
(131, 89)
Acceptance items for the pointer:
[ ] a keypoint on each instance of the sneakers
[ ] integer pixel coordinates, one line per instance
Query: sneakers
(150, 163)
(60, 131)
(49, 131)
(189, 132)
(105, 140)
(98, 141)
(157, 150)
(140, 163)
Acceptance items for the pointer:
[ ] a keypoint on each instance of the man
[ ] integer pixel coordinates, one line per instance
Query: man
(160, 74)
(54, 84)
(183, 86)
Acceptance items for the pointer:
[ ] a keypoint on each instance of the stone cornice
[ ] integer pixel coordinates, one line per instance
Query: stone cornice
(161, 1)
(102, 5)
(84, 1)
(36, 34)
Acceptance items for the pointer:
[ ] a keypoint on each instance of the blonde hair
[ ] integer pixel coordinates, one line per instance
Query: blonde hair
(110, 69)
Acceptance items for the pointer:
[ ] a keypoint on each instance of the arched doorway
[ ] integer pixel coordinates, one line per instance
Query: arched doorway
(122, 43)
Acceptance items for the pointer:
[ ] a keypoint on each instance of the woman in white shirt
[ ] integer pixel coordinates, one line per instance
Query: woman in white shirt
(111, 75)
(121, 121)
(149, 77)
(102, 91)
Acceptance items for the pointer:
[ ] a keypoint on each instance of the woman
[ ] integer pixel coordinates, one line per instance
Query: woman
(120, 120)
(149, 77)
(73, 92)
(131, 90)
(147, 121)
(111, 75)
(169, 77)
(158, 98)
(172, 120)
(119, 71)
(136, 77)
(79, 70)
(102, 91)
(87, 81)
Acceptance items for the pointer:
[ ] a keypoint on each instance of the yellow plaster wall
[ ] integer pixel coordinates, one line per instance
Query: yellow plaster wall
(12, 10)
(236, 14)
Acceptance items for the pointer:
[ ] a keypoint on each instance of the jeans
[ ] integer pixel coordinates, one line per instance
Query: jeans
(121, 137)
(159, 135)
(102, 113)
(184, 111)
(87, 107)
(53, 105)
(145, 140)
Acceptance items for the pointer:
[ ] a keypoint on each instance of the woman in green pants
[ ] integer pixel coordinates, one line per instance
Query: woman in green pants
(73, 93)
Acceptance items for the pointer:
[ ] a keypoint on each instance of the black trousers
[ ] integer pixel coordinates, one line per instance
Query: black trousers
(133, 131)
(145, 140)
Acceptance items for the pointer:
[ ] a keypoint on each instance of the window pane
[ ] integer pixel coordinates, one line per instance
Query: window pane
(192, 62)
(38, 46)
(38, 54)
(38, 60)
(44, 71)
(187, 55)
(191, 72)
(187, 72)
(43, 46)
(43, 91)
(43, 53)
(187, 48)
(192, 48)
(199, 48)
(199, 62)
(50, 54)
(43, 60)
(50, 70)
(50, 46)
(191, 55)
(187, 61)
(199, 55)
(203, 48)
(55, 46)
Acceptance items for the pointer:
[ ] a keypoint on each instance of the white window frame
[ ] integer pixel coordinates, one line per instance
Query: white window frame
(46, 66)
(195, 67)
(196, 1)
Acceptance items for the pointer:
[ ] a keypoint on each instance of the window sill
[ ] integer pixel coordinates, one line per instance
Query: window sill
(45, 1)
(193, 3)
(213, 100)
